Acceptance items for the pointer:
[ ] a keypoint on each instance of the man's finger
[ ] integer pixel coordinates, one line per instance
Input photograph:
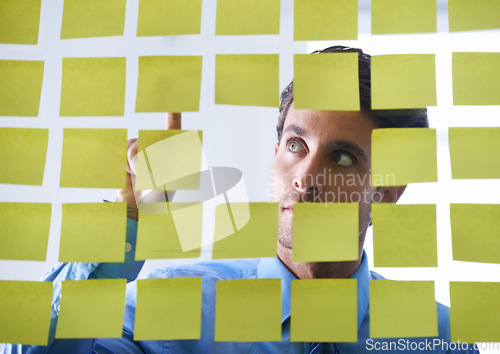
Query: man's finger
(131, 155)
(173, 121)
(127, 194)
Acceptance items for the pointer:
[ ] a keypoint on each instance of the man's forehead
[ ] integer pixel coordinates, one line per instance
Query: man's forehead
(347, 124)
(293, 128)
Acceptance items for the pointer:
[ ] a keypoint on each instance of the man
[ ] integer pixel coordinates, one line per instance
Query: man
(310, 144)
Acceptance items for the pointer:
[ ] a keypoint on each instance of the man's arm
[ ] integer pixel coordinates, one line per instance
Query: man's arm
(81, 271)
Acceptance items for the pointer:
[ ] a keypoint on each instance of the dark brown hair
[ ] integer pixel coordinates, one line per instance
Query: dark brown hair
(394, 118)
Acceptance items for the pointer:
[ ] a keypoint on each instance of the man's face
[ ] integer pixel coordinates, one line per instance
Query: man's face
(323, 156)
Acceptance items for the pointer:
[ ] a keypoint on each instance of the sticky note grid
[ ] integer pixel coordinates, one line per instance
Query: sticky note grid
(169, 76)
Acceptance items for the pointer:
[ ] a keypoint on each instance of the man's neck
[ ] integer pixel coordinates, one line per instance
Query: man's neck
(316, 270)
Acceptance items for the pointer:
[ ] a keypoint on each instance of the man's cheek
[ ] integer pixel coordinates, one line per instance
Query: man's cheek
(280, 181)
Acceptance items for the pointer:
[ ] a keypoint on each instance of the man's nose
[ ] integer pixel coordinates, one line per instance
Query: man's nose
(308, 177)
(303, 187)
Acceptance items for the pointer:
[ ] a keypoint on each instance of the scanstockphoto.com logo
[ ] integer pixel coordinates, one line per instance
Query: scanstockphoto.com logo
(404, 344)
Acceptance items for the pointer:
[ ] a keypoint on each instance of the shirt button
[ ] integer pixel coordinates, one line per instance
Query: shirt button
(128, 247)
(58, 308)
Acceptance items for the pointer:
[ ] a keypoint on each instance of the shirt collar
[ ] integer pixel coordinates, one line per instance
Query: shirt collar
(273, 268)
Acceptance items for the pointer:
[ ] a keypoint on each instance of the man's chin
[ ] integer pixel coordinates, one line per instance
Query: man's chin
(285, 230)
(285, 242)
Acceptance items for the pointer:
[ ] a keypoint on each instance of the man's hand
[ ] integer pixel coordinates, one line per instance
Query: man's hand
(129, 195)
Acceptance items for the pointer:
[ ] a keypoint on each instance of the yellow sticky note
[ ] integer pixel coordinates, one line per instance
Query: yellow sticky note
(169, 230)
(403, 81)
(169, 159)
(25, 231)
(475, 232)
(326, 81)
(325, 232)
(20, 87)
(315, 302)
(168, 309)
(169, 84)
(94, 158)
(409, 16)
(25, 312)
(91, 308)
(476, 78)
(238, 17)
(323, 20)
(22, 155)
(248, 310)
(93, 232)
(93, 18)
(404, 235)
(251, 80)
(245, 230)
(402, 309)
(168, 17)
(481, 145)
(403, 155)
(474, 311)
(93, 87)
(466, 15)
(19, 21)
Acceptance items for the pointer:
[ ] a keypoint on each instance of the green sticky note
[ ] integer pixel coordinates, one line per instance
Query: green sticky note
(169, 159)
(404, 235)
(93, 232)
(245, 230)
(22, 155)
(322, 20)
(476, 78)
(94, 158)
(325, 232)
(409, 16)
(251, 80)
(326, 81)
(315, 302)
(169, 84)
(239, 17)
(475, 232)
(248, 310)
(19, 22)
(20, 87)
(25, 312)
(481, 145)
(474, 311)
(403, 155)
(93, 87)
(466, 15)
(168, 309)
(93, 18)
(25, 231)
(403, 81)
(169, 230)
(168, 17)
(91, 308)
(402, 309)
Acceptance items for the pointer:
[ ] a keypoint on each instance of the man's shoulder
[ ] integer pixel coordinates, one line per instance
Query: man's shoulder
(216, 270)
(376, 276)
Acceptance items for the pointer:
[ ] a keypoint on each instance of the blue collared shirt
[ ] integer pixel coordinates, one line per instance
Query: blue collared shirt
(211, 272)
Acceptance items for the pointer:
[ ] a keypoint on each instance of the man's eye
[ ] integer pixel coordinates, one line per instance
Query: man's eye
(343, 158)
(295, 146)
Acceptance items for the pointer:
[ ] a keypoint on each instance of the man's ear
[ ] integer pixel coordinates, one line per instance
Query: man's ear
(391, 194)
(276, 147)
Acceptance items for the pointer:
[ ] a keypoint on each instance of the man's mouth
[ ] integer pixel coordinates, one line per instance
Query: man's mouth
(287, 208)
